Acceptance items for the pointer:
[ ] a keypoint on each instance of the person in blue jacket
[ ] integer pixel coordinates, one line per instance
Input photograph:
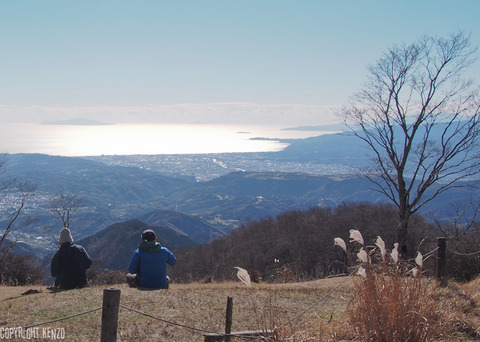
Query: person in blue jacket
(148, 265)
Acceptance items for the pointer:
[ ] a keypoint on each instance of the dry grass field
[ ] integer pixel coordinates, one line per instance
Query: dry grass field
(191, 309)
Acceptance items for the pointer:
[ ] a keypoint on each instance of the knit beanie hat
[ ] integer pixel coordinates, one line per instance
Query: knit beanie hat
(65, 236)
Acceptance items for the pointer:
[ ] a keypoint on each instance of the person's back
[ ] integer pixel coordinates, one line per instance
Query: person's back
(149, 262)
(70, 263)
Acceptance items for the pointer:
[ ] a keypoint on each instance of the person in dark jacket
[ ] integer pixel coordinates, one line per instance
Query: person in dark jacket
(70, 263)
(148, 265)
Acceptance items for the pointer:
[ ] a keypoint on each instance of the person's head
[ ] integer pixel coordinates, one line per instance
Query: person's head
(149, 235)
(65, 236)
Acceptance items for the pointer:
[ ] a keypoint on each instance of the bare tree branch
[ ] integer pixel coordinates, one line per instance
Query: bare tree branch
(66, 205)
(14, 197)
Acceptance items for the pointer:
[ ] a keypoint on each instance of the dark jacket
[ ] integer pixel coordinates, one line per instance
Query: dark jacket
(69, 266)
(150, 261)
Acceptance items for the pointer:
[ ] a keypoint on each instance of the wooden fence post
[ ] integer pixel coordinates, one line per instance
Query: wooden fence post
(111, 303)
(214, 337)
(441, 258)
(228, 319)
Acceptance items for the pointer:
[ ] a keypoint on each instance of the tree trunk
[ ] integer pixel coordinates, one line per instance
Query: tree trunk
(402, 234)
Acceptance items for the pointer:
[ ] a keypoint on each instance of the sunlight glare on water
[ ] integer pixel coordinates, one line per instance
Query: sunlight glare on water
(124, 139)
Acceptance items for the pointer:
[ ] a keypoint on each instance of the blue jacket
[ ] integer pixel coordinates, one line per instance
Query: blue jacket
(150, 261)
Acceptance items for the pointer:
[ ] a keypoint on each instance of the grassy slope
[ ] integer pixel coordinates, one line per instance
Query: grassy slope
(261, 306)
(202, 306)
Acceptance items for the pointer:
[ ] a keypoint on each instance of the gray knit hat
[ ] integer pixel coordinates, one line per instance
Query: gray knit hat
(65, 236)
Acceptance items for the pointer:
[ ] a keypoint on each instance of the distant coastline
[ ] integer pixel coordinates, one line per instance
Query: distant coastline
(280, 140)
(76, 121)
(335, 127)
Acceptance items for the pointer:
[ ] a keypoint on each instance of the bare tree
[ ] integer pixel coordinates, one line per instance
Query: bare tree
(419, 116)
(14, 196)
(460, 221)
(65, 205)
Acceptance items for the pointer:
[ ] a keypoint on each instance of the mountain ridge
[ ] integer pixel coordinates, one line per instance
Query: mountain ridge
(113, 246)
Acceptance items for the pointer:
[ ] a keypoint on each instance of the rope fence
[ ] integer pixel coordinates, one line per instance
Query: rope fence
(463, 254)
(61, 319)
(166, 321)
(182, 325)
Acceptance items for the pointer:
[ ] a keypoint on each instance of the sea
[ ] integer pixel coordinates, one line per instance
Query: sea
(147, 139)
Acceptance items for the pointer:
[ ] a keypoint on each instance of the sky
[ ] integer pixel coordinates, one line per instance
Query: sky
(204, 61)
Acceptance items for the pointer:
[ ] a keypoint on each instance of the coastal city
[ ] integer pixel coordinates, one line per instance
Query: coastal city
(205, 167)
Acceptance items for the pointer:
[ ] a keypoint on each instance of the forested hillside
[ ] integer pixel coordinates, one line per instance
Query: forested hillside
(297, 245)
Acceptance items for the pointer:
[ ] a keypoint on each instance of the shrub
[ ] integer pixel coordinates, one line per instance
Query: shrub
(391, 300)
(108, 277)
(104, 276)
(19, 269)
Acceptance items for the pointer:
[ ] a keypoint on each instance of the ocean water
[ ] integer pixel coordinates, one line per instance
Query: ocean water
(127, 139)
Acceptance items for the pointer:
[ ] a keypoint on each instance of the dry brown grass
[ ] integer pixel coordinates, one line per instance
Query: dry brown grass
(460, 305)
(202, 306)
(393, 307)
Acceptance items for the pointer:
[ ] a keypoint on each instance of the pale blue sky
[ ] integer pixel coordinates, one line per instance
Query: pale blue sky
(140, 61)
